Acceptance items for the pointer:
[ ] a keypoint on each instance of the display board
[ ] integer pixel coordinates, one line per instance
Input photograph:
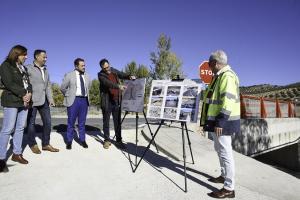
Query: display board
(174, 100)
(133, 95)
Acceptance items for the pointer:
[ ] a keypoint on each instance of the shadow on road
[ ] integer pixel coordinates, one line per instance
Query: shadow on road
(91, 131)
(159, 162)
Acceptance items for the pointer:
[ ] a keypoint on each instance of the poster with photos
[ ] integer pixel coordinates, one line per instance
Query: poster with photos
(174, 100)
(133, 95)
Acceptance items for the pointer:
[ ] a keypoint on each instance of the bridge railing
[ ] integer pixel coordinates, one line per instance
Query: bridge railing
(259, 107)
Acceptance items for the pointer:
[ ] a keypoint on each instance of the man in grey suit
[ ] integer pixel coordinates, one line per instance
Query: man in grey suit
(41, 99)
(75, 88)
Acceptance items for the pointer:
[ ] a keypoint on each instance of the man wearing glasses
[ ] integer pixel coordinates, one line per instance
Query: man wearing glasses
(110, 94)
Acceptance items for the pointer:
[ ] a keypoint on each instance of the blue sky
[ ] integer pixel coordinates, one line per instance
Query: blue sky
(261, 37)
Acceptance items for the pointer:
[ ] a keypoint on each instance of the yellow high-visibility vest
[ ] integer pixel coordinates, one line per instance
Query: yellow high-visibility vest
(221, 101)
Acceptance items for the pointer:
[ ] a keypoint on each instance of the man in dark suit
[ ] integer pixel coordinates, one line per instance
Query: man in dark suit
(41, 99)
(75, 88)
(110, 93)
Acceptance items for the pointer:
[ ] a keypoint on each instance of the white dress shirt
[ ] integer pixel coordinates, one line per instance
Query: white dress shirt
(78, 86)
(22, 70)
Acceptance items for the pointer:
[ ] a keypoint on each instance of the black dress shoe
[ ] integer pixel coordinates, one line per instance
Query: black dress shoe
(3, 166)
(223, 193)
(84, 145)
(69, 146)
(219, 179)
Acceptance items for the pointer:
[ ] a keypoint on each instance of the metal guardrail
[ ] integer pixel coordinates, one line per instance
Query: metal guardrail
(259, 107)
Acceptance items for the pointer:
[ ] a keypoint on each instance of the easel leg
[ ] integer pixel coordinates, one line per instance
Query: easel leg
(189, 142)
(150, 130)
(184, 156)
(136, 135)
(126, 113)
(147, 148)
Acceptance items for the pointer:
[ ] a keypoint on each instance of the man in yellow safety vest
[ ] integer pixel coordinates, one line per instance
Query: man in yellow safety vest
(221, 118)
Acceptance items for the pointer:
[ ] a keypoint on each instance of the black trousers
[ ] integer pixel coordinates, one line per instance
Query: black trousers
(44, 111)
(114, 109)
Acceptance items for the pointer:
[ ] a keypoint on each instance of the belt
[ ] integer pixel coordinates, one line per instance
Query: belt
(81, 96)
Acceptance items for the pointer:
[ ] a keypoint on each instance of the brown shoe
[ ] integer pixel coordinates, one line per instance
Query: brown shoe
(19, 158)
(49, 148)
(219, 179)
(35, 149)
(106, 144)
(223, 193)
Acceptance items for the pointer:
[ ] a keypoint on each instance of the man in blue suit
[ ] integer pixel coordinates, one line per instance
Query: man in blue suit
(75, 88)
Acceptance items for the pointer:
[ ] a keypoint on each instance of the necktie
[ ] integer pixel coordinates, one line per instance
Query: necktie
(82, 85)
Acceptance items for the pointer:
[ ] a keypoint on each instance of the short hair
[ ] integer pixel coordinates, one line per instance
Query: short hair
(15, 52)
(219, 56)
(104, 60)
(38, 52)
(77, 60)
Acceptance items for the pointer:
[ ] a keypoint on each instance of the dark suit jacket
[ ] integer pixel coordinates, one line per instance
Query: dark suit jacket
(106, 84)
(12, 79)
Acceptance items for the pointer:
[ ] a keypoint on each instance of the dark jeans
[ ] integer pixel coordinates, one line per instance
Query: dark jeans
(44, 111)
(78, 110)
(114, 109)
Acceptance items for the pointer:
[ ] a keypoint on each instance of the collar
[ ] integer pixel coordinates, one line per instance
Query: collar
(78, 72)
(226, 68)
(19, 65)
(42, 67)
(106, 74)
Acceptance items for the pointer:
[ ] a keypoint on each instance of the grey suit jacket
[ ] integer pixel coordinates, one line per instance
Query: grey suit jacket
(68, 87)
(40, 89)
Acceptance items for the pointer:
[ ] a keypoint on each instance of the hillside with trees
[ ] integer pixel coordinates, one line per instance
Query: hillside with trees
(287, 92)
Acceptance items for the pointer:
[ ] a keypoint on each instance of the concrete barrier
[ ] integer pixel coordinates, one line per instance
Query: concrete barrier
(263, 135)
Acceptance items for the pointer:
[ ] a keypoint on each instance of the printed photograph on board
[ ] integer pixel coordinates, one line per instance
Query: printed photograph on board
(158, 91)
(134, 89)
(190, 91)
(188, 103)
(156, 101)
(154, 112)
(173, 90)
(170, 113)
(133, 95)
(187, 114)
(171, 102)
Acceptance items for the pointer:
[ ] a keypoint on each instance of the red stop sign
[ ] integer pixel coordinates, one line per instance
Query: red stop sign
(205, 72)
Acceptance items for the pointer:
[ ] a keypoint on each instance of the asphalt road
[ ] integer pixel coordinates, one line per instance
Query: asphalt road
(92, 124)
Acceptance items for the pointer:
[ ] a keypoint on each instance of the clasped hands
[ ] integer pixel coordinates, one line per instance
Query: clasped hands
(26, 99)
